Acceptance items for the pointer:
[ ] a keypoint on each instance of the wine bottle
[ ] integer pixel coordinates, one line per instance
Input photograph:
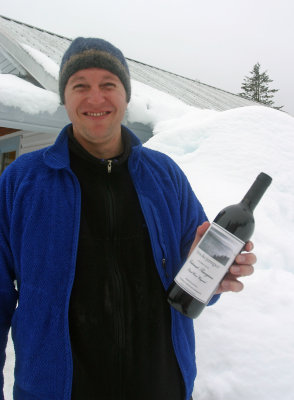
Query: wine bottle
(200, 276)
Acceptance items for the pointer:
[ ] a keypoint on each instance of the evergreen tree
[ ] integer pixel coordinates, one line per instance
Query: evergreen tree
(256, 87)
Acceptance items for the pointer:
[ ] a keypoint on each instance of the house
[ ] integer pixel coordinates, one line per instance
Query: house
(29, 60)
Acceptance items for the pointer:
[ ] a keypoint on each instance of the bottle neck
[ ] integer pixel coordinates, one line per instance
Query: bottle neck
(257, 190)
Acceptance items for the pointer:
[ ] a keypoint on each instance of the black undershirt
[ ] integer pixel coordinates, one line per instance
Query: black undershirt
(119, 318)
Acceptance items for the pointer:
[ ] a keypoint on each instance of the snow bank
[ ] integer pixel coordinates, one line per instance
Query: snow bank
(232, 148)
(151, 106)
(245, 343)
(222, 153)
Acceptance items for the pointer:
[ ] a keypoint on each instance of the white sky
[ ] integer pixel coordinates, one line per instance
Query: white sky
(216, 41)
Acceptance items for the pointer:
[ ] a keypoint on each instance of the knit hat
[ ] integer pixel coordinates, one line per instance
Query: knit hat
(90, 53)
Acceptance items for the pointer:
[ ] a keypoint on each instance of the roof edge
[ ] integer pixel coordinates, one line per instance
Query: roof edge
(34, 27)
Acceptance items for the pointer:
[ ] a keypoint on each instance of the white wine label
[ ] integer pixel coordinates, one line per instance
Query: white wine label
(208, 263)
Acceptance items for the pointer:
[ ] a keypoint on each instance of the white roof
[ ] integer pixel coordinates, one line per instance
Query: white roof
(35, 55)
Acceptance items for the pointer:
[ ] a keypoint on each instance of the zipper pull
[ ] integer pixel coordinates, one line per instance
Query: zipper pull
(109, 166)
(163, 261)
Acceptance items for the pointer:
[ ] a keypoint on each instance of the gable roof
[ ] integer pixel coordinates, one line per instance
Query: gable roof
(35, 54)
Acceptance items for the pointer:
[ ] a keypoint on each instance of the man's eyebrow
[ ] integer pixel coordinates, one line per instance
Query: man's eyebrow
(110, 76)
(77, 78)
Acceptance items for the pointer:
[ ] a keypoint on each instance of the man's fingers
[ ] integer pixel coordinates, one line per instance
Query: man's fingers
(246, 259)
(230, 285)
(199, 234)
(241, 270)
(249, 246)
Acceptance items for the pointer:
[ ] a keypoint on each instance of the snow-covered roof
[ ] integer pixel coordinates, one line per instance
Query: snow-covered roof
(29, 53)
(35, 55)
(191, 92)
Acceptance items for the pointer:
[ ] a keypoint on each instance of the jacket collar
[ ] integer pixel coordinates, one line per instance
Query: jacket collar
(57, 155)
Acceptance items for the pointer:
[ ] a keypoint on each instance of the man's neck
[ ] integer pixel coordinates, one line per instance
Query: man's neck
(106, 150)
(121, 154)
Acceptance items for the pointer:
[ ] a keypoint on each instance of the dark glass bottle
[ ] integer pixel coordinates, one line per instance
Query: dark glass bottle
(204, 269)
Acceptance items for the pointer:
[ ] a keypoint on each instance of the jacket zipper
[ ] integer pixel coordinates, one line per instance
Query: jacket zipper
(118, 291)
(109, 166)
(163, 263)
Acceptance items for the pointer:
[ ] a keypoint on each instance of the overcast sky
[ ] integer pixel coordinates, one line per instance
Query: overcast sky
(214, 41)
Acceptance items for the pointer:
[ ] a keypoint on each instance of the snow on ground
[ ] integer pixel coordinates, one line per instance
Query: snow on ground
(244, 343)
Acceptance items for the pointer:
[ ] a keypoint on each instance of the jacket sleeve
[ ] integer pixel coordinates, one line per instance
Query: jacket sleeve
(193, 215)
(8, 293)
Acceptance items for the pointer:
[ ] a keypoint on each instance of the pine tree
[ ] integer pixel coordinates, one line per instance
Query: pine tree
(256, 87)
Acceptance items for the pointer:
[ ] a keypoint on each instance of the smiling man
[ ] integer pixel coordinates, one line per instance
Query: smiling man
(93, 230)
(95, 100)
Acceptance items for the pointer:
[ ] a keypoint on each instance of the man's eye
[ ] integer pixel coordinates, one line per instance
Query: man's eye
(109, 85)
(79, 86)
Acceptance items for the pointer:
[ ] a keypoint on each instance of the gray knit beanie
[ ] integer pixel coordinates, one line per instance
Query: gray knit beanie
(86, 53)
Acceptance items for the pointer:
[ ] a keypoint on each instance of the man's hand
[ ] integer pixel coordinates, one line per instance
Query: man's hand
(243, 265)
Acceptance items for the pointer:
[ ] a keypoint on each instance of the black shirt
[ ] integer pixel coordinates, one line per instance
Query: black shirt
(119, 319)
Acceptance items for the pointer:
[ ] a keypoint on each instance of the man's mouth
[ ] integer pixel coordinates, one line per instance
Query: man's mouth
(97, 114)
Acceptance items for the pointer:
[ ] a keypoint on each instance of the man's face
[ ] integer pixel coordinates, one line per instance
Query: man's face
(95, 100)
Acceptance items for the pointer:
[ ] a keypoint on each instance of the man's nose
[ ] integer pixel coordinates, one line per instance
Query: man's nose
(95, 95)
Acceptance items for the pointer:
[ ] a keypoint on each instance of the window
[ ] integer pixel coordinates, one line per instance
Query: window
(6, 159)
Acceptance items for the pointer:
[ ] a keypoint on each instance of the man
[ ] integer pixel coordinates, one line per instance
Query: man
(93, 231)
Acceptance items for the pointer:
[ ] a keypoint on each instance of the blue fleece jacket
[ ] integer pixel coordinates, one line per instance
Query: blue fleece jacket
(40, 214)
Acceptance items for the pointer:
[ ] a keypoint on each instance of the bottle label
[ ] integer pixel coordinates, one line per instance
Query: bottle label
(208, 263)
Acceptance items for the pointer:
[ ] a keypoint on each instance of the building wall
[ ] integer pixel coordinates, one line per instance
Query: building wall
(32, 141)
(9, 150)
(21, 142)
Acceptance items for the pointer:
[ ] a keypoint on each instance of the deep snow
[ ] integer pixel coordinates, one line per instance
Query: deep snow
(244, 343)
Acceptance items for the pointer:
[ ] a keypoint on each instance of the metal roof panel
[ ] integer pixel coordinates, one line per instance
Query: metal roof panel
(17, 35)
